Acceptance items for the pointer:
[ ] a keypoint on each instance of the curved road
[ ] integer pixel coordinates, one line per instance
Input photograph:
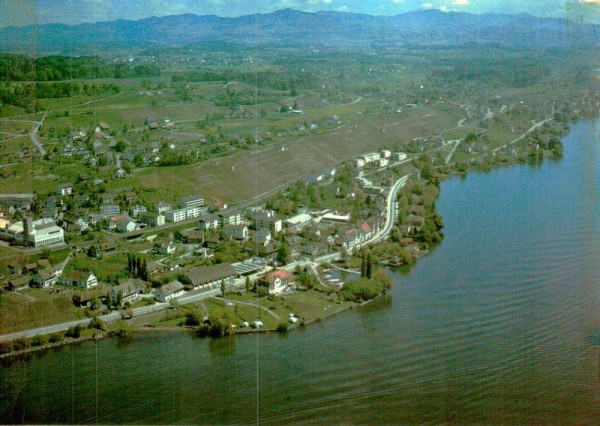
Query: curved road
(391, 213)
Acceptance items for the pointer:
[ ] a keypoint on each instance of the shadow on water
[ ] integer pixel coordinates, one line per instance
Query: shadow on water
(222, 347)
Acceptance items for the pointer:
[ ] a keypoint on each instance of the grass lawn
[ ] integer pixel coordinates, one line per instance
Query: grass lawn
(35, 308)
(311, 305)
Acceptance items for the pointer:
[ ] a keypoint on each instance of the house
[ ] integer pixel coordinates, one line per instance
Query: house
(126, 225)
(416, 221)
(238, 232)
(18, 284)
(138, 209)
(268, 220)
(82, 279)
(279, 281)
(162, 207)
(192, 212)
(164, 246)
(169, 291)
(110, 210)
(64, 189)
(296, 223)
(176, 215)
(193, 236)
(153, 219)
(204, 276)
(209, 222)
(191, 201)
(230, 217)
(314, 249)
(102, 126)
(211, 241)
(263, 236)
(129, 289)
(366, 231)
(45, 278)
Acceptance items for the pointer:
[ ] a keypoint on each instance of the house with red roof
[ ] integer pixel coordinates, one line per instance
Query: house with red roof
(279, 281)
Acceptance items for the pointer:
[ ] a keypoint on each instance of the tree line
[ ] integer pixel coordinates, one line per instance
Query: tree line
(15, 67)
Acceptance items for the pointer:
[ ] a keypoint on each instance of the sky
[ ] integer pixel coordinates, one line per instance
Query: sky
(36, 12)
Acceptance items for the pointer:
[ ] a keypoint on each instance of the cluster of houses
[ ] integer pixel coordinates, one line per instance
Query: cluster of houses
(378, 158)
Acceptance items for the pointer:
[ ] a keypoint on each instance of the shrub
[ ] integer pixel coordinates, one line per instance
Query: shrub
(20, 344)
(6, 347)
(56, 337)
(282, 327)
(39, 341)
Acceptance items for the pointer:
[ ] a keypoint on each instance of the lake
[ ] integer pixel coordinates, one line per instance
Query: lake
(500, 324)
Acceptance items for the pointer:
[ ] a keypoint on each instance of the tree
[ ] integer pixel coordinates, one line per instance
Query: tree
(223, 287)
(363, 265)
(369, 268)
(284, 254)
(248, 283)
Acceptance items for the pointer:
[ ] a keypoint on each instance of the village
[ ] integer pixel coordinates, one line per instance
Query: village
(185, 250)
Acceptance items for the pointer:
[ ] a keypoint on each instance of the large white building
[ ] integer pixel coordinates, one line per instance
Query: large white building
(42, 232)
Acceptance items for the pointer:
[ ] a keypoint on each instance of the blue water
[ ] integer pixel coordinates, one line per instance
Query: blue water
(499, 325)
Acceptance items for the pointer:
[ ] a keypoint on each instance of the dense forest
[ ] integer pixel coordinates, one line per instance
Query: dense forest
(60, 68)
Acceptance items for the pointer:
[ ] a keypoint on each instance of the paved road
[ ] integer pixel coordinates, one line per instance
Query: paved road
(34, 135)
(391, 212)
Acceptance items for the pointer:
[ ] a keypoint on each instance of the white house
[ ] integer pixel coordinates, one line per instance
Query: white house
(64, 189)
(45, 278)
(129, 289)
(169, 291)
(126, 225)
(239, 232)
(79, 279)
(165, 247)
(176, 215)
(279, 281)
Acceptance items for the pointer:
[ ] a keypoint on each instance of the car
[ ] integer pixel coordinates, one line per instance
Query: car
(257, 324)
(244, 324)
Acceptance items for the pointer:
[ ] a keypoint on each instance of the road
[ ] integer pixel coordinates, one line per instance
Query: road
(535, 126)
(34, 135)
(451, 153)
(391, 213)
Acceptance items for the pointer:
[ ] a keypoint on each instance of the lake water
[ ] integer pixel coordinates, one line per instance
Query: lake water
(500, 325)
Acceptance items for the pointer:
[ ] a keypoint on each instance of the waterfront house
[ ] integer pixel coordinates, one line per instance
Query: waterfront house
(210, 276)
(130, 289)
(169, 291)
(279, 281)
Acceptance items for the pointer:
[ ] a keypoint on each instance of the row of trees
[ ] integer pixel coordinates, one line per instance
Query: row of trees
(137, 266)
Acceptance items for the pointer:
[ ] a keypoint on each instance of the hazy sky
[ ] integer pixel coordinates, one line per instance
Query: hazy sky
(28, 12)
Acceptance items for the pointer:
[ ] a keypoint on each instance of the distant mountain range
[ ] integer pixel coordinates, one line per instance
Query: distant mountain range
(293, 28)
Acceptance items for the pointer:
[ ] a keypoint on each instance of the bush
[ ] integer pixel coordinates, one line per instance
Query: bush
(97, 323)
(361, 289)
(282, 327)
(56, 337)
(20, 344)
(6, 347)
(193, 318)
(74, 332)
(39, 341)
(262, 291)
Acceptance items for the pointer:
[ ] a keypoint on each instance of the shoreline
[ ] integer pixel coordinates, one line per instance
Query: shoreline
(477, 167)
(145, 329)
